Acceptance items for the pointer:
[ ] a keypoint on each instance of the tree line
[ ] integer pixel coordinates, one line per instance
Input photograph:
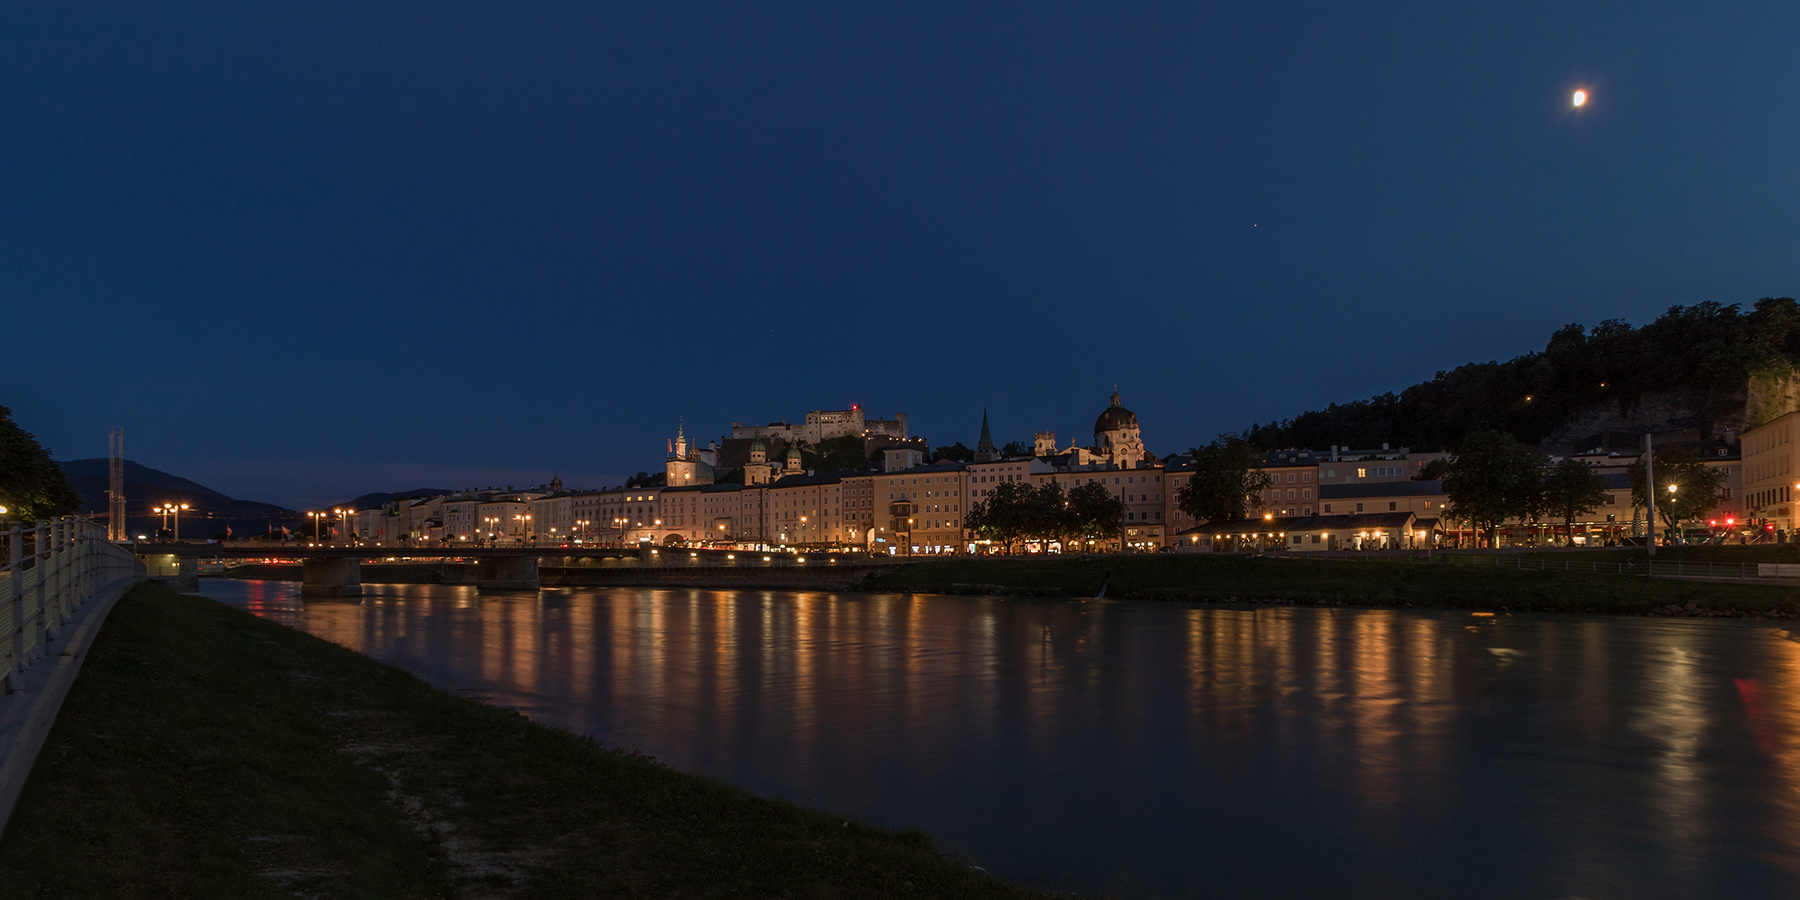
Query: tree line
(1708, 349)
(1018, 511)
(32, 486)
(1495, 478)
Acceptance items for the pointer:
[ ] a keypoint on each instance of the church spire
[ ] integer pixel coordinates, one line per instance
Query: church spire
(984, 448)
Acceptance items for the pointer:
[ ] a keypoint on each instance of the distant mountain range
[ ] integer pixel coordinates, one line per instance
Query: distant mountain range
(208, 510)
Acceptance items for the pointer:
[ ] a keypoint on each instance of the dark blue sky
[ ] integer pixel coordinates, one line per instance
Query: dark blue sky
(303, 251)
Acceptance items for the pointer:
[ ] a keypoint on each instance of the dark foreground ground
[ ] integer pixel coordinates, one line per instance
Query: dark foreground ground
(1349, 582)
(204, 752)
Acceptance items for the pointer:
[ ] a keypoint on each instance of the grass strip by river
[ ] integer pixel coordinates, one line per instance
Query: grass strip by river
(206, 752)
(1350, 582)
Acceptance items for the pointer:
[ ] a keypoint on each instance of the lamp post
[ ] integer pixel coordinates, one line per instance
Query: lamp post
(1674, 535)
(317, 518)
(1650, 496)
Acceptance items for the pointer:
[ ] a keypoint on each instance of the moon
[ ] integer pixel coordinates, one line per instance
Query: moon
(1578, 99)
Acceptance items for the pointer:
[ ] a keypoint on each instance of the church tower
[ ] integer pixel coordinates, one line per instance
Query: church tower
(756, 471)
(683, 467)
(1116, 434)
(984, 448)
(793, 460)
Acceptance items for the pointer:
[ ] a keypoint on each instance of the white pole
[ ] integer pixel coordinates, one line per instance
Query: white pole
(1650, 493)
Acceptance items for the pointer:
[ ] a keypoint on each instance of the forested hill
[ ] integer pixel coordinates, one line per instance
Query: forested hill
(1691, 364)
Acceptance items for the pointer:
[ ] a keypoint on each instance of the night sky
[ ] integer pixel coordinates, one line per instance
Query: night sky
(303, 251)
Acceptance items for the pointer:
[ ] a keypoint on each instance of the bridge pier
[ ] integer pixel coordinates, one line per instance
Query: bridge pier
(507, 573)
(331, 577)
(182, 573)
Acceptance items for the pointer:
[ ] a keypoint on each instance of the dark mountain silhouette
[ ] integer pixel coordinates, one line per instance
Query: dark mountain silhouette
(208, 512)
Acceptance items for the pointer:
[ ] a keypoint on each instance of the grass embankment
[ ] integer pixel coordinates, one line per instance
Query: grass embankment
(204, 752)
(1713, 553)
(1371, 582)
(369, 573)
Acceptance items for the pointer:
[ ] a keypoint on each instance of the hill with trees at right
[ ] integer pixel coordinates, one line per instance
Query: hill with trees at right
(1702, 368)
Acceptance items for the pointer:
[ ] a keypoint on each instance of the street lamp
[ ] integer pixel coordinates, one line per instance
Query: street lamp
(170, 509)
(317, 518)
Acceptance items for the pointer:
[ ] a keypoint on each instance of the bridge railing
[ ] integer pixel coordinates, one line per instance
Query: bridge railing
(51, 570)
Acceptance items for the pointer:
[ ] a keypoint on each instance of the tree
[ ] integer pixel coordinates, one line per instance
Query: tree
(1094, 513)
(646, 480)
(32, 486)
(1572, 490)
(835, 454)
(1696, 486)
(956, 452)
(1227, 483)
(1434, 470)
(1494, 478)
(1014, 449)
(1046, 512)
(1004, 516)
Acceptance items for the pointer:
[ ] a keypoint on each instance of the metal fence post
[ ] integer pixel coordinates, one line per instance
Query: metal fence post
(39, 630)
(16, 582)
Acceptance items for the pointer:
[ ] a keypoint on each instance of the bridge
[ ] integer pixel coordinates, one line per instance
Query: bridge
(335, 570)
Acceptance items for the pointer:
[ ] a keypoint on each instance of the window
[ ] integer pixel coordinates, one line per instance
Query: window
(1359, 507)
(1328, 509)
(1297, 539)
(1362, 473)
(1391, 506)
(1306, 493)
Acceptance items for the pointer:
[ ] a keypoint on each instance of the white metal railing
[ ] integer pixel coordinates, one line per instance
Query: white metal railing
(50, 570)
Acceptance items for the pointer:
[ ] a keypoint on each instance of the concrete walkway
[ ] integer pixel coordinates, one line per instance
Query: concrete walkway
(29, 710)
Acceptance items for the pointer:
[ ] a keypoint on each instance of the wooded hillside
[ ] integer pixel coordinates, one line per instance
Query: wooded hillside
(1705, 352)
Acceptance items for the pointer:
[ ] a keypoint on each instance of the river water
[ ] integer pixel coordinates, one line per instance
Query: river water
(1165, 749)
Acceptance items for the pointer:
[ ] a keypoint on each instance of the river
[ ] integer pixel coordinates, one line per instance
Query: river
(1165, 749)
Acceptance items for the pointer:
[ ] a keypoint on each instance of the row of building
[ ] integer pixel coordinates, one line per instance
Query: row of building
(1338, 498)
(904, 505)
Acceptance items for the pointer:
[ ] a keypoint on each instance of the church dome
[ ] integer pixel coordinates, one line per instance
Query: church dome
(1115, 418)
(756, 446)
(793, 451)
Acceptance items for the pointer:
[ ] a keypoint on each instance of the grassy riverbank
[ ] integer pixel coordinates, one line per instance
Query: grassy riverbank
(1355, 582)
(369, 573)
(206, 752)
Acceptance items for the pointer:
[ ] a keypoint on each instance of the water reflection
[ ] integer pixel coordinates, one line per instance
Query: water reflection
(1166, 749)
